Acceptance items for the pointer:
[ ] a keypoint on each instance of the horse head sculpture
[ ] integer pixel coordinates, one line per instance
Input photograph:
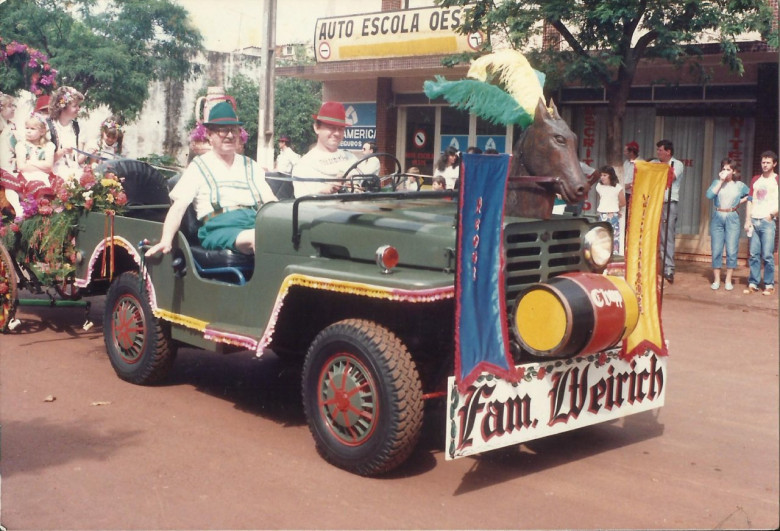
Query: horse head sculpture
(546, 150)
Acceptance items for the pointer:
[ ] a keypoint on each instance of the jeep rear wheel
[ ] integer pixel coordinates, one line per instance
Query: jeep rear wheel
(362, 397)
(137, 343)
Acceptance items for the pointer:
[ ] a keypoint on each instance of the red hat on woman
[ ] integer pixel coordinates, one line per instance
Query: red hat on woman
(332, 113)
(633, 145)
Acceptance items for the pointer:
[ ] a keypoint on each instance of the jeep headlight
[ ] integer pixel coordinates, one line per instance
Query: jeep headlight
(597, 248)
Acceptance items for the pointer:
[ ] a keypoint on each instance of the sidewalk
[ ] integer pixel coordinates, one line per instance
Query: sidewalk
(692, 282)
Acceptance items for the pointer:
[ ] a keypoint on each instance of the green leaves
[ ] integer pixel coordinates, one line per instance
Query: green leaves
(603, 35)
(109, 51)
(295, 101)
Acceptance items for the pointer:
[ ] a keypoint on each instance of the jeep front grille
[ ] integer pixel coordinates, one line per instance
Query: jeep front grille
(538, 251)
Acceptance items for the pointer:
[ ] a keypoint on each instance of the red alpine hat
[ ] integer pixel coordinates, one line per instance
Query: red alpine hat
(332, 113)
(633, 145)
(42, 103)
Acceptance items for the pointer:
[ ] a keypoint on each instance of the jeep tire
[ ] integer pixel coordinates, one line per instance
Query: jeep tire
(362, 397)
(138, 344)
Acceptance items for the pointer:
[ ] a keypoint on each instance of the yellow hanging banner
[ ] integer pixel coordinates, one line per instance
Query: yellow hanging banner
(647, 201)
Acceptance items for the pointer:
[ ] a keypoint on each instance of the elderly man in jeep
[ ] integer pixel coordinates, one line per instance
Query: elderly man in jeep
(226, 188)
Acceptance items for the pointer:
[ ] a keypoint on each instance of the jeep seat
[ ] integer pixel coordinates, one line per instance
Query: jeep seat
(143, 185)
(222, 264)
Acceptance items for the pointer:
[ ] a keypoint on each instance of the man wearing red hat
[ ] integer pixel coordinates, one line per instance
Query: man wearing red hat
(320, 171)
(225, 187)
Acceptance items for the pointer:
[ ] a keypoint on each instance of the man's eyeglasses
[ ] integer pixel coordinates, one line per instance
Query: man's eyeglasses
(223, 130)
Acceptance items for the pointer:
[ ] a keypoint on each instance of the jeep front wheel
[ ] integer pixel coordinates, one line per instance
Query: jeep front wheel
(362, 397)
(137, 343)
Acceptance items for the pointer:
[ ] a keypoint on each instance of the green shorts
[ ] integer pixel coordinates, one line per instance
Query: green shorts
(221, 231)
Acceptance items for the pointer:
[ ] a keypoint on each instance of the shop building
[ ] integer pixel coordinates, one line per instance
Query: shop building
(376, 65)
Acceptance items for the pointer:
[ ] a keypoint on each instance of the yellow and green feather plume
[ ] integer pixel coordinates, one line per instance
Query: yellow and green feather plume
(511, 101)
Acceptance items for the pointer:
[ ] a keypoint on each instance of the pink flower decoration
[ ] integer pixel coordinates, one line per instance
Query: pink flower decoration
(199, 134)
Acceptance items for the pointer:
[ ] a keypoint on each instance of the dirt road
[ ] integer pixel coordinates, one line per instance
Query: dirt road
(224, 444)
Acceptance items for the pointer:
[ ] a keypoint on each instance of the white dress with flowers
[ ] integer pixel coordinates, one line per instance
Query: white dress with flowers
(66, 166)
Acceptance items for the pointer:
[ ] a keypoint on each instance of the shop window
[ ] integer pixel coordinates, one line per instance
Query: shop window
(454, 129)
(420, 132)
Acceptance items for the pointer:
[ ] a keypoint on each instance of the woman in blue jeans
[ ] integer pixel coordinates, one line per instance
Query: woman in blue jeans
(729, 193)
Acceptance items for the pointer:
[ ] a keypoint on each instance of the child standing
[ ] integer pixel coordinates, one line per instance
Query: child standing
(611, 199)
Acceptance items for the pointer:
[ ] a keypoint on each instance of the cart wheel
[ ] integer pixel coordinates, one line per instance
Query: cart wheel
(362, 397)
(138, 344)
(67, 289)
(8, 294)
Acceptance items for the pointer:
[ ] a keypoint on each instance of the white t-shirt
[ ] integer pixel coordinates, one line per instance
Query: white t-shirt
(608, 197)
(320, 164)
(763, 195)
(369, 167)
(240, 184)
(451, 175)
(286, 160)
(629, 166)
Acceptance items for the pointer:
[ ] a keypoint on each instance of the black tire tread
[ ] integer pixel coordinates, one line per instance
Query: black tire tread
(400, 374)
(156, 368)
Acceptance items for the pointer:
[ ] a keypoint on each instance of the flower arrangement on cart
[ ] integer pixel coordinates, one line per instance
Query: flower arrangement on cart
(41, 240)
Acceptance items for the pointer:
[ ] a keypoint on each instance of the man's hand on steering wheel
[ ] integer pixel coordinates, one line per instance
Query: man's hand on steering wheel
(371, 182)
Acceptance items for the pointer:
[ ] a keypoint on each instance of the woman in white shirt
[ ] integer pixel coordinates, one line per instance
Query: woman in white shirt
(611, 199)
(448, 166)
(64, 107)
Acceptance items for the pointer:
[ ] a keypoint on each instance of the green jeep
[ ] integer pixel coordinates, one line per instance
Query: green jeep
(359, 286)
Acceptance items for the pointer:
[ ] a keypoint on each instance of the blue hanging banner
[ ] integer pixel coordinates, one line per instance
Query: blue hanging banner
(481, 334)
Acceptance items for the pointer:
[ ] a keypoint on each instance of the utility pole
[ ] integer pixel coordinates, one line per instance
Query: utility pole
(265, 119)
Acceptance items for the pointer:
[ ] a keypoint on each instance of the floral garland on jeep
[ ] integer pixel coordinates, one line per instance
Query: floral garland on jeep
(46, 230)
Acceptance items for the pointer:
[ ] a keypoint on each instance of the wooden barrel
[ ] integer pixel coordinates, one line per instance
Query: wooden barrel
(575, 313)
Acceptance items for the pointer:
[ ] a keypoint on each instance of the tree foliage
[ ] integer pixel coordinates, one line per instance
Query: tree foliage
(110, 51)
(604, 40)
(247, 95)
(295, 101)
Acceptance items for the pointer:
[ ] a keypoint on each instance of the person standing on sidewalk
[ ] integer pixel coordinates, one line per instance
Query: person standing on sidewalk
(664, 153)
(760, 224)
(631, 152)
(728, 193)
(287, 156)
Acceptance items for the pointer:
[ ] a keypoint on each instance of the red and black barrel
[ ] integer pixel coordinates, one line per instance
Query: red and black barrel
(574, 313)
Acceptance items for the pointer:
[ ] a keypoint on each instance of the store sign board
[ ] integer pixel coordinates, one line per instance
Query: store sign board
(361, 125)
(409, 32)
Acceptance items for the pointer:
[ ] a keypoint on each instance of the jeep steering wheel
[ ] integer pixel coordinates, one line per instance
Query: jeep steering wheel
(371, 182)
